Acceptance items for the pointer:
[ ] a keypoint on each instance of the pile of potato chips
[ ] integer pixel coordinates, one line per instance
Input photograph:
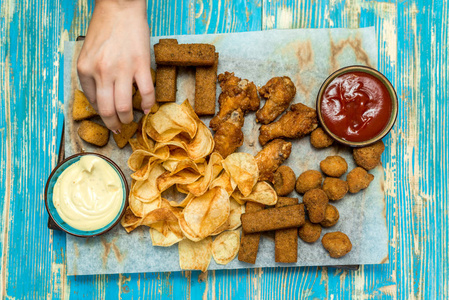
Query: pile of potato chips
(172, 154)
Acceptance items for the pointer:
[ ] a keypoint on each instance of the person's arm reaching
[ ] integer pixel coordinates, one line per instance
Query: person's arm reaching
(115, 53)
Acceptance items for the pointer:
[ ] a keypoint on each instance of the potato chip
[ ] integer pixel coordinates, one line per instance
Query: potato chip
(233, 222)
(147, 190)
(135, 144)
(158, 239)
(174, 166)
(140, 208)
(224, 181)
(199, 147)
(225, 247)
(204, 214)
(213, 168)
(167, 180)
(137, 158)
(195, 255)
(242, 168)
(262, 193)
(146, 142)
(170, 120)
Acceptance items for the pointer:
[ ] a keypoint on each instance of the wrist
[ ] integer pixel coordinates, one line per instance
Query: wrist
(117, 5)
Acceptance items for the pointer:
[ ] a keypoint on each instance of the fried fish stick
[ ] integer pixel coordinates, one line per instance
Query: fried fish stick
(205, 89)
(249, 243)
(273, 219)
(286, 240)
(184, 54)
(166, 78)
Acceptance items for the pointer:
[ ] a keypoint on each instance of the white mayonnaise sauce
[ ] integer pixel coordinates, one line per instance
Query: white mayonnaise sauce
(88, 195)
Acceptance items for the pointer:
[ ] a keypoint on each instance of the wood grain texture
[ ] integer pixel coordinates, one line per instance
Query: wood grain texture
(413, 53)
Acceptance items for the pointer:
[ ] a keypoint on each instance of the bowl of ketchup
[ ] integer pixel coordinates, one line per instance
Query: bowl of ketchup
(357, 106)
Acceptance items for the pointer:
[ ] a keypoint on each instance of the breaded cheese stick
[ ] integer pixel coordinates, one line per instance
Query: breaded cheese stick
(184, 54)
(166, 78)
(273, 219)
(205, 89)
(249, 243)
(286, 240)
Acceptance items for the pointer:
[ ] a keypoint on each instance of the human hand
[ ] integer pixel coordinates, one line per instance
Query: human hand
(115, 53)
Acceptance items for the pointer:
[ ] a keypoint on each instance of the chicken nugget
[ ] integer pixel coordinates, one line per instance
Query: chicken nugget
(284, 180)
(205, 89)
(82, 109)
(309, 232)
(334, 166)
(315, 201)
(331, 216)
(93, 133)
(249, 243)
(126, 133)
(184, 54)
(358, 179)
(320, 139)
(308, 180)
(369, 157)
(336, 243)
(335, 188)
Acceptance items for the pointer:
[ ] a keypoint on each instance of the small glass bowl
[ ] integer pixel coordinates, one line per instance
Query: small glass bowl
(385, 82)
(53, 213)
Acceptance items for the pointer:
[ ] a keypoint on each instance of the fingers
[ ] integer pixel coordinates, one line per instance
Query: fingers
(106, 105)
(87, 83)
(123, 99)
(146, 88)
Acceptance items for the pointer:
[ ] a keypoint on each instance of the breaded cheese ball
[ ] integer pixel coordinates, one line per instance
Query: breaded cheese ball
(335, 188)
(369, 157)
(308, 180)
(334, 166)
(331, 216)
(315, 201)
(309, 232)
(358, 179)
(320, 139)
(336, 243)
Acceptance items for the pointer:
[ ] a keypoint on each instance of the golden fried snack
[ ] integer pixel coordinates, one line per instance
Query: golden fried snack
(279, 92)
(335, 188)
(334, 166)
(286, 240)
(126, 133)
(358, 179)
(271, 157)
(166, 78)
(296, 123)
(171, 54)
(249, 243)
(331, 216)
(284, 180)
(205, 89)
(336, 243)
(315, 201)
(309, 232)
(82, 109)
(273, 219)
(229, 135)
(369, 157)
(93, 133)
(320, 139)
(308, 180)
(235, 93)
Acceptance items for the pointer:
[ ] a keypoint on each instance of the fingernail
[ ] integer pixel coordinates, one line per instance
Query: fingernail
(146, 111)
(116, 131)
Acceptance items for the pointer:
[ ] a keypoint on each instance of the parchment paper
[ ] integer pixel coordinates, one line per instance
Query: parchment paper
(307, 56)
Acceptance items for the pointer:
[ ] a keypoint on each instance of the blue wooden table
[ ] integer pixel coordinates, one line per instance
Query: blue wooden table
(413, 53)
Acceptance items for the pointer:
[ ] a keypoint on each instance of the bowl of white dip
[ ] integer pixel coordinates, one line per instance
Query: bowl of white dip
(86, 195)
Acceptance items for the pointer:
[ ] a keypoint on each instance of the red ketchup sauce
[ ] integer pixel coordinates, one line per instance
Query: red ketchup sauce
(356, 106)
